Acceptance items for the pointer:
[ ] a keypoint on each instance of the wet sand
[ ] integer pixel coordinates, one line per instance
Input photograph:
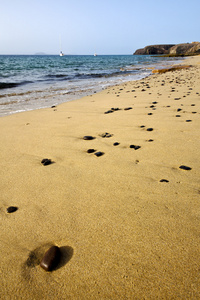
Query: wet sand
(122, 206)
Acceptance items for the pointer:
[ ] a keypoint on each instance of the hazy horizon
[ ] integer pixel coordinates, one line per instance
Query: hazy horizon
(84, 27)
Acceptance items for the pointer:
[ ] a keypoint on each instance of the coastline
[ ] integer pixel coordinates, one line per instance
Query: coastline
(128, 221)
(50, 80)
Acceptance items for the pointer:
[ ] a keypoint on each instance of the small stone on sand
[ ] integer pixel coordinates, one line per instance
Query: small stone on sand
(99, 153)
(164, 180)
(51, 258)
(149, 129)
(106, 135)
(91, 150)
(88, 137)
(135, 147)
(185, 168)
(11, 209)
(46, 162)
(128, 108)
(109, 111)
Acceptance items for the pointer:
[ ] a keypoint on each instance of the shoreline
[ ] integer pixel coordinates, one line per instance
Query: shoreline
(126, 221)
(54, 87)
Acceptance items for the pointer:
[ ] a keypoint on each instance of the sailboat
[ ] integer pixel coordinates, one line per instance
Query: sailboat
(95, 54)
(61, 53)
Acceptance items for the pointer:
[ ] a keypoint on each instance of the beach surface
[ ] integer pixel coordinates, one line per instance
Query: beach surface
(126, 216)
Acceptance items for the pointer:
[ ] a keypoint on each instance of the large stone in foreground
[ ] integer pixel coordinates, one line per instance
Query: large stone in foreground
(51, 258)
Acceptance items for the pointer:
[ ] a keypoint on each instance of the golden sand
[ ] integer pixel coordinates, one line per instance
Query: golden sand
(123, 231)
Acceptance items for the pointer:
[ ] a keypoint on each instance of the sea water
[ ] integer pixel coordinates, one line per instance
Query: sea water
(29, 82)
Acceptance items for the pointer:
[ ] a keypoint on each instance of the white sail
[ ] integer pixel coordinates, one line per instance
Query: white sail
(61, 53)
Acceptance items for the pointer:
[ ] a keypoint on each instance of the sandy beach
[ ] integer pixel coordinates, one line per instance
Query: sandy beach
(126, 215)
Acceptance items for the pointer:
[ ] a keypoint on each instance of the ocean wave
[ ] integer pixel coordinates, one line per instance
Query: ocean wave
(78, 76)
(9, 85)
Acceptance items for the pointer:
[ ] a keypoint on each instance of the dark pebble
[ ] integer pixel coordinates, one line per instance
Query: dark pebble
(116, 144)
(149, 114)
(177, 116)
(128, 108)
(106, 135)
(99, 153)
(51, 259)
(115, 109)
(109, 111)
(177, 98)
(164, 180)
(135, 147)
(179, 109)
(46, 162)
(91, 150)
(188, 121)
(150, 140)
(53, 106)
(155, 102)
(152, 106)
(192, 104)
(185, 168)
(142, 126)
(11, 209)
(143, 90)
(88, 137)
(149, 129)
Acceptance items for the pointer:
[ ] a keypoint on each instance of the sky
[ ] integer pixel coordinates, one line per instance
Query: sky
(88, 26)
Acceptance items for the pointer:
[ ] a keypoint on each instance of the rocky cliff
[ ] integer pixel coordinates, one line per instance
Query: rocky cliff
(154, 49)
(170, 49)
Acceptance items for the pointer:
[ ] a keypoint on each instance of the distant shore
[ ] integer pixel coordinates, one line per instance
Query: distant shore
(119, 197)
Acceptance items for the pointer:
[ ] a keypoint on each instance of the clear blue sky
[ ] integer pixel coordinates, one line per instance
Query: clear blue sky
(86, 26)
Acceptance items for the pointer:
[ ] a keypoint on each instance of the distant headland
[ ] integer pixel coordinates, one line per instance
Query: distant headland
(185, 49)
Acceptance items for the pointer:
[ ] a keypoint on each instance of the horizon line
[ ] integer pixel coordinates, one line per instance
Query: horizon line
(45, 54)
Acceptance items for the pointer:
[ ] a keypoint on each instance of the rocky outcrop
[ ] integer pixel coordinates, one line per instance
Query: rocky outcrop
(170, 49)
(154, 49)
(185, 49)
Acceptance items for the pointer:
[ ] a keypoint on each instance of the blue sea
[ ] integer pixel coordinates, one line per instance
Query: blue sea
(29, 82)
